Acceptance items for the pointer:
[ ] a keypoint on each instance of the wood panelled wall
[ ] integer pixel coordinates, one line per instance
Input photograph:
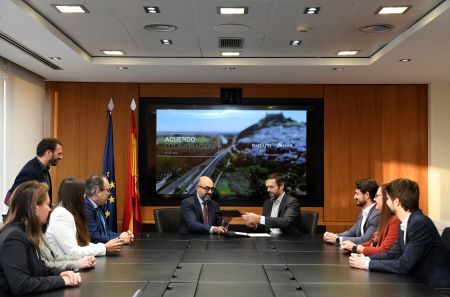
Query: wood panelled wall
(378, 131)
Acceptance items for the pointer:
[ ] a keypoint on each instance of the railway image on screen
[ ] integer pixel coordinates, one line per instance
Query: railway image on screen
(237, 148)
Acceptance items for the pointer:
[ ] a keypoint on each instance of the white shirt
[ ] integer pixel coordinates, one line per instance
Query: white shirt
(62, 236)
(403, 226)
(274, 214)
(365, 214)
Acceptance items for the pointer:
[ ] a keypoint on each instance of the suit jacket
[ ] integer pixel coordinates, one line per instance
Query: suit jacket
(95, 225)
(288, 218)
(423, 255)
(21, 271)
(386, 241)
(192, 216)
(370, 226)
(33, 170)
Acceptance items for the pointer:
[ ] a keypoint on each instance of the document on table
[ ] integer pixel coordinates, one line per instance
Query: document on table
(252, 234)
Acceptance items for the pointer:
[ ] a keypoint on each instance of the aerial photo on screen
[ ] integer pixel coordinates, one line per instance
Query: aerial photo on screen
(237, 148)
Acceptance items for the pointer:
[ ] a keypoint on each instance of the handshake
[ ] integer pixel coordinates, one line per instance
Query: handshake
(251, 219)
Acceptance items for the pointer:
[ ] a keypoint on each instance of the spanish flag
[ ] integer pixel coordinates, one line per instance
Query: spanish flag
(132, 209)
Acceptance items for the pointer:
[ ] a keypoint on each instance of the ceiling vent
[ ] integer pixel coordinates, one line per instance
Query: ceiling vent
(377, 28)
(160, 27)
(231, 42)
(28, 51)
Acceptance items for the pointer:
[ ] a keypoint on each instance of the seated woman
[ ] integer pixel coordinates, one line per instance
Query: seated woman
(384, 238)
(21, 270)
(67, 232)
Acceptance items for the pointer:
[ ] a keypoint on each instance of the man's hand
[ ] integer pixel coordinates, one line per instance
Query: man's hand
(218, 229)
(114, 245)
(329, 237)
(71, 278)
(125, 237)
(357, 261)
(251, 218)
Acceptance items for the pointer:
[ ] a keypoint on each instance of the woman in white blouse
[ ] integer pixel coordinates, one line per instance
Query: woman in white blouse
(67, 232)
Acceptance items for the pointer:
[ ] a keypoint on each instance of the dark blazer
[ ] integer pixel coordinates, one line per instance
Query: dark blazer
(192, 216)
(288, 219)
(370, 226)
(33, 170)
(423, 255)
(95, 226)
(21, 271)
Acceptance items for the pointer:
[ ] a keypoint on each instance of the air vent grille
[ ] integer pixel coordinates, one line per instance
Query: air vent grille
(29, 51)
(231, 42)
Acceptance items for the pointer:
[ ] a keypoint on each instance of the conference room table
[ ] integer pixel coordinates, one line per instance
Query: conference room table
(173, 265)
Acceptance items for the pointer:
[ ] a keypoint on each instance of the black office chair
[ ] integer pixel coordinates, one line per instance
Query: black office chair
(446, 237)
(309, 221)
(167, 220)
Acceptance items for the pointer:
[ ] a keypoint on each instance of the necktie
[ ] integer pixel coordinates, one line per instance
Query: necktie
(205, 213)
(100, 217)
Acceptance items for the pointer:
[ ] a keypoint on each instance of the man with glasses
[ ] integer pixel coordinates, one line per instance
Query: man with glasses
(199, 212)
(97, 194)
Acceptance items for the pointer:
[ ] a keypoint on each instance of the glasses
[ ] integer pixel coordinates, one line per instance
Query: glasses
(107, 190)
(207, 189)
(376, 196)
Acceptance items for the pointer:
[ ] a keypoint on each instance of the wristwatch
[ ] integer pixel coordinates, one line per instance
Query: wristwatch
(338, 240)
(354, 249)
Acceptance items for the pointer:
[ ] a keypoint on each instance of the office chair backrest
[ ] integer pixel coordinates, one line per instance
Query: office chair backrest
(167, 220)
(309, 221)
(446, 237)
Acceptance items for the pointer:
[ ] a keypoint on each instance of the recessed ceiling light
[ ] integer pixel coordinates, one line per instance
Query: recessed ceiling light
(376, 28)
(231, 54)
(122, 68)
(311, 10)
(166, 41)
(69, 8)
(160, 27)
(152, 9)
(232, 10)
(230, 68)
(55, 58)
(405, 60)
(392, 9)
(113, 52)
(295, 42)
(338, 68)
(347, 53)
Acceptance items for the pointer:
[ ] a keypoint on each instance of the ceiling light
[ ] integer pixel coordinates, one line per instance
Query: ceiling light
(231, 54)
(295, 42)
(338, 68)
(152, 9)
(392, 9)
(232, 10)
(230, 68)
(405, 60)
(122, 68)
(70, 8)
(55, 58)
(376, 28)
(166, 41)
(160, 27)
(113, 52)
(311, 10)
(347, 53)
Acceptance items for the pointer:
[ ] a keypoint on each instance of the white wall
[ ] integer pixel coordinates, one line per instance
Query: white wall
(23, 123)
(439, 154)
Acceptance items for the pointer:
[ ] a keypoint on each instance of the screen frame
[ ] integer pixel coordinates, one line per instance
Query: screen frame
(147, 145)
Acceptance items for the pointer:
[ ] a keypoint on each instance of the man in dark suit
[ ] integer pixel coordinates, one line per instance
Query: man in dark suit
(97, 194)
(281, 213)
(419, 250)
(199, 212)
(48, 153)
(367, 222)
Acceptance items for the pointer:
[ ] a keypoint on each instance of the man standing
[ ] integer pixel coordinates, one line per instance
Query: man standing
(199, 212)
(48, 153)
(419, 249)
(97, 194)
(367, 221)
(281, 212)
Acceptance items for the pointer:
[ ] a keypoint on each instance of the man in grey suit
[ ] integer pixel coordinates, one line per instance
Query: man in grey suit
(418, 250)
(281, 213)
(367, 222)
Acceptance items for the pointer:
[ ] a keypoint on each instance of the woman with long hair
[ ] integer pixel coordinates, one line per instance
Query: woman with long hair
(384, 238)
(21, 269)
(67, 232)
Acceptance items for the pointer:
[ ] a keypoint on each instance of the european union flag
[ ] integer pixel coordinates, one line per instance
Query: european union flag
(108, 171)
